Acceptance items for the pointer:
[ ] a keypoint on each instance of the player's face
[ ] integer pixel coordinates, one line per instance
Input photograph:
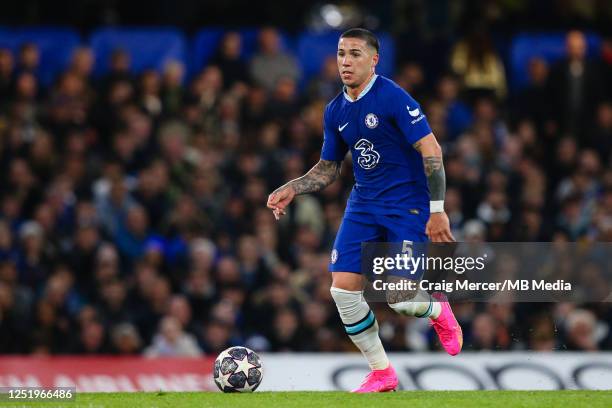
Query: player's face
(356, 61)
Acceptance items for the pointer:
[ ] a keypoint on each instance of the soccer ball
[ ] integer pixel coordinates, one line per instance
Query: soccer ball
(238, 369)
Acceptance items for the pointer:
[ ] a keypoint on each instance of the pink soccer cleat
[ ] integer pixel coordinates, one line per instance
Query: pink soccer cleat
(449, 331)
(379, 381)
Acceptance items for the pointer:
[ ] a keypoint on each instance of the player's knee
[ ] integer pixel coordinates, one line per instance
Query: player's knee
(347, 281)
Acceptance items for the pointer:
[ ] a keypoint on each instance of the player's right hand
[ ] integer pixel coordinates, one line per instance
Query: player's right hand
(280, 199)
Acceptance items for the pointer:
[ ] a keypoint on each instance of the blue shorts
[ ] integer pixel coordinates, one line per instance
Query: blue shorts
(358, 227)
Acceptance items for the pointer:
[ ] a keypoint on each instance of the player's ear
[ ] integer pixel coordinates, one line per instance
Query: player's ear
(375, 60)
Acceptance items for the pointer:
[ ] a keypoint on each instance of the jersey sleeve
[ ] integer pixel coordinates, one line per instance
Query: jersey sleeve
(409, 117)
(334, 148)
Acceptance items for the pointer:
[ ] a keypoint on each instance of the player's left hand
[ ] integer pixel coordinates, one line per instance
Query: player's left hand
(438, 228)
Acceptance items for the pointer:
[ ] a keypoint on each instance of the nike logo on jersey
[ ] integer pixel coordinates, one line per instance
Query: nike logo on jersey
(414, 113)
(341, 128)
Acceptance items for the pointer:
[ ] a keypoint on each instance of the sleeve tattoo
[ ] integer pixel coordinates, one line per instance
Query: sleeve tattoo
(320, 176)
(436, 177)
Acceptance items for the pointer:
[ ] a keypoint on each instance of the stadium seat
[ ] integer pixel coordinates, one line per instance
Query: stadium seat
(249, 41)
(207, 40)
(56, 45)
(205, 44)
(313, 48)
(149, 48)
(549, 46)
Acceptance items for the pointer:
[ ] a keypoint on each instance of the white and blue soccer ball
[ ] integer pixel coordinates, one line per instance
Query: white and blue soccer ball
(238, 369)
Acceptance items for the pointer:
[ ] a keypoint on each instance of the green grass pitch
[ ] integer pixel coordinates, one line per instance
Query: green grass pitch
(411, 399)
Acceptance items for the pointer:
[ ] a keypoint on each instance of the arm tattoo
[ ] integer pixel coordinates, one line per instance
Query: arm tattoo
(396, 295)
(436, 178)
(320, 176)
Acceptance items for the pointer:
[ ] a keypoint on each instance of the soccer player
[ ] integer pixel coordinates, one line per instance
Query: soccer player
(398, 195)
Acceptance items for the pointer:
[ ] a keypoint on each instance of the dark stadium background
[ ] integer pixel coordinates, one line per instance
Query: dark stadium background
(132, 204)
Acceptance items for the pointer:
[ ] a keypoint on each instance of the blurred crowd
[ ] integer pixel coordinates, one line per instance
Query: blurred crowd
(132, 208)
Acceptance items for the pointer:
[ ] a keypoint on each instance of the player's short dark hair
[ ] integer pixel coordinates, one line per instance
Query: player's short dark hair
(363, 34)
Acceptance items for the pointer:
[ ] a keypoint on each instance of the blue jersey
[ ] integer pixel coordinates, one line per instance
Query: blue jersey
(379, 128)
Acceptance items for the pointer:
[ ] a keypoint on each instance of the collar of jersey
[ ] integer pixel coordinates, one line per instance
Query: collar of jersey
(363, 93)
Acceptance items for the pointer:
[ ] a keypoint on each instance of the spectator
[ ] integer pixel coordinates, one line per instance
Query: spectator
(542, 338)
(27, 94)
(82, 64)
(180, 309)
(580, 329)
(476, 62)
(285, 334)
(532, 102)
(7, 65)
(92, 339)
(13, 318)
(113, 306)
(33, 263)
(606, 57)
(8, 253)
(50, 332)
(112, 206)
(172, 87)
(216, 337)
(574, 87)
(271, 64)
(81, 256)
(125, 339)
(150, 93)
(483, 332)
(600, 137)
(119, 71)
(29, 59)
(133, 234)
(228, 59)
(283, 102)
(171, 341)
(152, 192)
(178, 155)
(327, 84)
(458, 114)
(412, 78)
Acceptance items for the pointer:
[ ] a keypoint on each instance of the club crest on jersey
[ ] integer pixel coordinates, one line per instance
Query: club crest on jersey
(371, 120)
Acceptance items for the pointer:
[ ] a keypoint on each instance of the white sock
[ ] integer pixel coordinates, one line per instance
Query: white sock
(361, 326)
(422, 305)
